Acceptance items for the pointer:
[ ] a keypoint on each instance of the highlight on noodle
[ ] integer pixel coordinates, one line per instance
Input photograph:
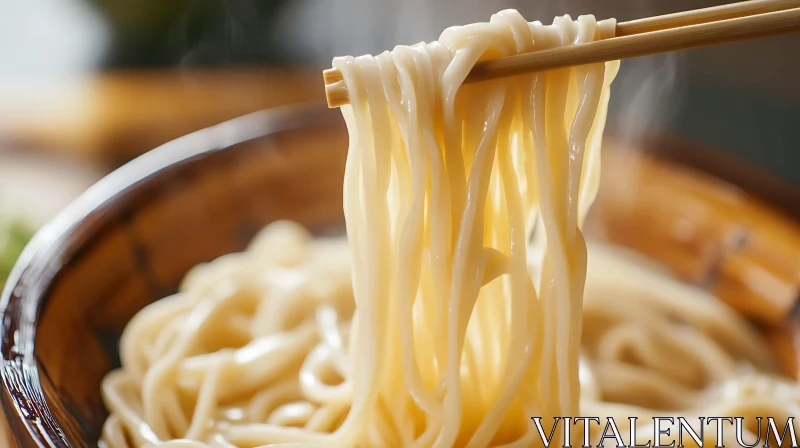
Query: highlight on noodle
(464, 299)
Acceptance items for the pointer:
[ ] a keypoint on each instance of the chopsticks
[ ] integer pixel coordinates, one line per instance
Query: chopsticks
(704, 15)
(709, 26)
(673, 39)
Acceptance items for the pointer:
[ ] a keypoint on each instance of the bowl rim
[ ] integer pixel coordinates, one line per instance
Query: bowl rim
(23, 400)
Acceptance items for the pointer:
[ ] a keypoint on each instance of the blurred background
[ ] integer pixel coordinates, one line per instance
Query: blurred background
(86, 85)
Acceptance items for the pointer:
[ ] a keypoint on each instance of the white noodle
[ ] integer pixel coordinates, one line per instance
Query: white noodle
(437, 323)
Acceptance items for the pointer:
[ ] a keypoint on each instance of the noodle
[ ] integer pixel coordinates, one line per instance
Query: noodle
(437, 322)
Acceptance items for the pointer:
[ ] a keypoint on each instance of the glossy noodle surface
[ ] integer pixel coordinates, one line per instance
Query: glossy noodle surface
(462, 301)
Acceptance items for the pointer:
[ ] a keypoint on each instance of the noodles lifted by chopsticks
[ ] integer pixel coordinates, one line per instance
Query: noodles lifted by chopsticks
(431, 330)
(443, 187)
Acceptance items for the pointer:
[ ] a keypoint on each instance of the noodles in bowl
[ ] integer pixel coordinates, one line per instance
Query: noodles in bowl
(454, 310)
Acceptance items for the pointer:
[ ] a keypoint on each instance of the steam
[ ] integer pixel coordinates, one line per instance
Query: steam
(322, 29)
(644, 99)
(646, 95)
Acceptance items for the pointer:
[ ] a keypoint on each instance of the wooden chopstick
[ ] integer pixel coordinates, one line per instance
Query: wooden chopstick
(704, 15)
(739, 21)
(673, 39)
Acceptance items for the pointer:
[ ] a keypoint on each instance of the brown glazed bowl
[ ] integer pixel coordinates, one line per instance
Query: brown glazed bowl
(130, 239)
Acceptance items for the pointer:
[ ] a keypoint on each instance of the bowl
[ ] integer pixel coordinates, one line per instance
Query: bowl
(131, 238)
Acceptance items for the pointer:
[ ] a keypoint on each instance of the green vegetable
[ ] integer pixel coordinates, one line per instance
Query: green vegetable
(14, 235)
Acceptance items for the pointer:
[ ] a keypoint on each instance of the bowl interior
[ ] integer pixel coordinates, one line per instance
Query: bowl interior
(130, 240)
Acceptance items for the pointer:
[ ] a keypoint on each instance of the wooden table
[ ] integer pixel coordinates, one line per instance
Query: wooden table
(112, 117)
